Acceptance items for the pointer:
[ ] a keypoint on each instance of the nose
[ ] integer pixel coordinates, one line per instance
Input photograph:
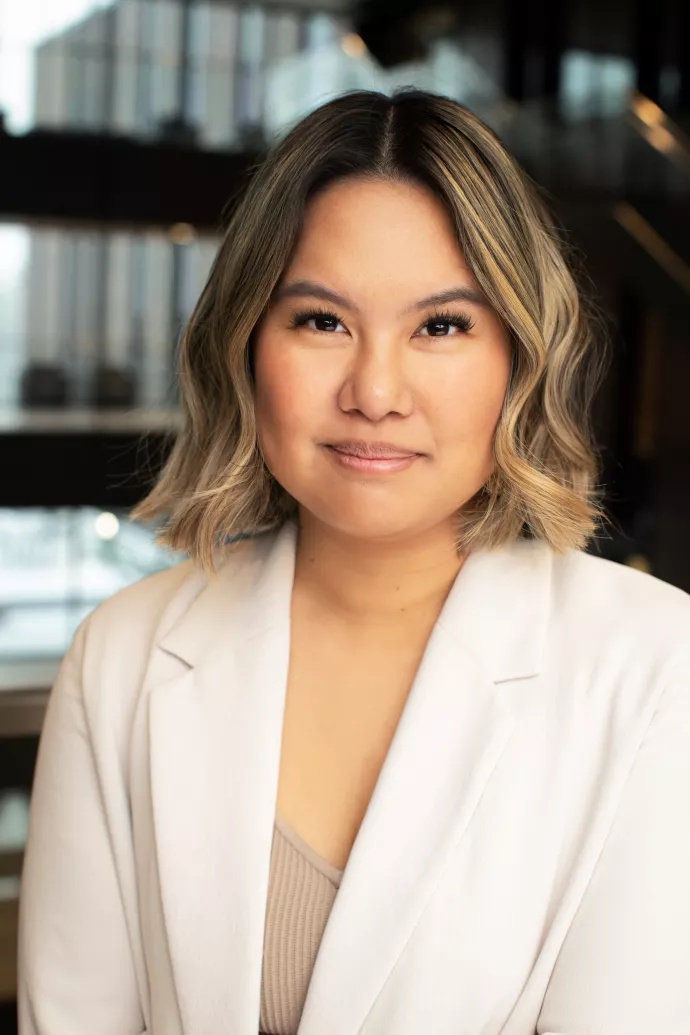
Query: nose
(376, 383)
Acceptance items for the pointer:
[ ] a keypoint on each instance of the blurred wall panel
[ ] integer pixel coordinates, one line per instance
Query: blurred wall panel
(83, 86)
(50, 90)
(219, 126)
(199, 44)
(165, 60)
(250, 66)
(45, 296)
(14, 252)
(145, 70)
(152, 314)
(73, 78)
(87, 287)
(97, 70)
(118, 305)
(77, 59)
(282, 35)
(126, 116)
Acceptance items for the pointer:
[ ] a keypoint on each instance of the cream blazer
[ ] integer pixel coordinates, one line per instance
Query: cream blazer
(524, 863)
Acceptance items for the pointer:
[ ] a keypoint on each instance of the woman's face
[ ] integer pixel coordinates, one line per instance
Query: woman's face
(378, 334)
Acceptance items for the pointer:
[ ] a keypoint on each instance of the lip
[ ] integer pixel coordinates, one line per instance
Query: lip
(372, 450)
(372, 465)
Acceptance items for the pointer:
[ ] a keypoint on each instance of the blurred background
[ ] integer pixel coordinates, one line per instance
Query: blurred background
(128, 128)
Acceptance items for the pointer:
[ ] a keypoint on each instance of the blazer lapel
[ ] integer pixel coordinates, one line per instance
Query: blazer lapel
(455, 726)
(215, 742)
(215, 738)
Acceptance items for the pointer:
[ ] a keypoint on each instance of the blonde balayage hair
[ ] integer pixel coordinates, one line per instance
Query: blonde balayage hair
(215, 483)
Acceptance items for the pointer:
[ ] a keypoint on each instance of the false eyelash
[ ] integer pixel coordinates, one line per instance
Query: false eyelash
(302, 316)
(464, 323)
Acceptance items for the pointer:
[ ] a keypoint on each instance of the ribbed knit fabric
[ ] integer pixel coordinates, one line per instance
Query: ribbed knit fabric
(301, 891)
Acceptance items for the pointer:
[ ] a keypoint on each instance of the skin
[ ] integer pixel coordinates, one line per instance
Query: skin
(375, 555)
(374, 547)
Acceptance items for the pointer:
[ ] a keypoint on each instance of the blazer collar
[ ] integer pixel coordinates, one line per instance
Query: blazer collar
(498, 606)
(215, 733)
(251, 581)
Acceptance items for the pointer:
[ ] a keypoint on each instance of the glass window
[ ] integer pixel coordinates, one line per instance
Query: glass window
(57, 565)
(76, 302)
(130, 67)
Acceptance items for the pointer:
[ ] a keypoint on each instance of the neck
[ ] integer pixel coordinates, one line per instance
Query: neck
(374, 581)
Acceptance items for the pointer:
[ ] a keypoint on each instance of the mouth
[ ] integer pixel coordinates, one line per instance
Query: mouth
(372, 450)
(356, 459)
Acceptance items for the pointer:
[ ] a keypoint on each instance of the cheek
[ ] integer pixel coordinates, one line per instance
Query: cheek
(273, 396)
(468, 403)
(284, 394)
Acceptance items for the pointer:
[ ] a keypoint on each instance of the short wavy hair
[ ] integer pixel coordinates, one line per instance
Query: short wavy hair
(215, 483)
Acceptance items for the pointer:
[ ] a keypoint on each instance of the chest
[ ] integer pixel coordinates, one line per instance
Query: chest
(346, 692)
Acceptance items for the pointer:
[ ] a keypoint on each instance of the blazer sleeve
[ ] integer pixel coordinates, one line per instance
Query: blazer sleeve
(624, 967)
(75, 970)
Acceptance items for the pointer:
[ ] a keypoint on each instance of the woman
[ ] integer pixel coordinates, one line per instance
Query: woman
(388, 709)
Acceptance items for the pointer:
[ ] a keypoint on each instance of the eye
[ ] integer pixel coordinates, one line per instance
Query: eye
(439, 323)
(324, 320)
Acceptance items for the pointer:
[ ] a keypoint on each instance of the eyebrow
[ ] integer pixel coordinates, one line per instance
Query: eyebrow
(302, 288)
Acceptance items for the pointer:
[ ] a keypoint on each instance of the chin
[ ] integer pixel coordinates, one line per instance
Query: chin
(366, 523)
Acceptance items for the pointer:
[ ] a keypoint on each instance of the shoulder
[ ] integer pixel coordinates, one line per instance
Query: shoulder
(599, 585)
(137, 609)
(603, 602)
(138, 615)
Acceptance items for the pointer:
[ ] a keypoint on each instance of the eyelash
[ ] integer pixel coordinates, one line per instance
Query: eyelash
(464, 323)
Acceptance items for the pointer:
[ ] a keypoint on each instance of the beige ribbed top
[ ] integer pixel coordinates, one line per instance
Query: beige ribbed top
(301, 890)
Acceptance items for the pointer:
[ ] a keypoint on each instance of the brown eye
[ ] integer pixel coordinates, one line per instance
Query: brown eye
(439, 324)
(324, 322)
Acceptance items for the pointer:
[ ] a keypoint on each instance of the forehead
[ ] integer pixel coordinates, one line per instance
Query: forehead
(363, 233)
(358, 208)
